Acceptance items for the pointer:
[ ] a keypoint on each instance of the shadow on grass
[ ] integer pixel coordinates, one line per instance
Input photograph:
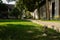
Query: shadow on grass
(26, 32)
(13, 20)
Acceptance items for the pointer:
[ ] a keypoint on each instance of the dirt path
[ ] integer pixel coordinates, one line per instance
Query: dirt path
(48, 24)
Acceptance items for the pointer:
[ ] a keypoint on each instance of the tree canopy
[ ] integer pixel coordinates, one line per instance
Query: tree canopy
(31, 5)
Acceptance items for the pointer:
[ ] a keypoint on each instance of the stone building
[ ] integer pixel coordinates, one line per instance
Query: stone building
(49, 9)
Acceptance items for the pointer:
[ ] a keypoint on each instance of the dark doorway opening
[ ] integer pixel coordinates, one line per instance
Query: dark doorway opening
(53, 10)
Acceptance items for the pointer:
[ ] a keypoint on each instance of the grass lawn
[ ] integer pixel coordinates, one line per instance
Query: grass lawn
(25, 30)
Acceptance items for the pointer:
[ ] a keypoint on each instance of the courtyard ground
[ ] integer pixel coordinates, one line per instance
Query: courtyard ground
(49, 24)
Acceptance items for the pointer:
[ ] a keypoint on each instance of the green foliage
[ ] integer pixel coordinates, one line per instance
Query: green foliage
(15, 12)
(28, 15)
(31, 4)
(20, 7)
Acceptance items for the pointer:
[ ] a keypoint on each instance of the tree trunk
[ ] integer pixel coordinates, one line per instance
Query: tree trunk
(21, 15)
(38, 10)
(38, 13)
(47, 10)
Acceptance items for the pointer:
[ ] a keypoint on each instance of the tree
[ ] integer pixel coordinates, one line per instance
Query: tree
(15, 12)
(30, 5)
(20, 7)
(47, 10)
(35, 4)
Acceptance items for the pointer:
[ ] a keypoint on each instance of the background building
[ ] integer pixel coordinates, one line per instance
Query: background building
(49, 9)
